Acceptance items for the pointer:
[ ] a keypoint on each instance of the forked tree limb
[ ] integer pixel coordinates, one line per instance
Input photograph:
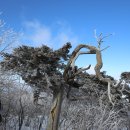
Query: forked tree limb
(92, 50)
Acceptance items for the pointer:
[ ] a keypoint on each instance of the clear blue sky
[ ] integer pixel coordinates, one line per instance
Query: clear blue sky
(55, 22)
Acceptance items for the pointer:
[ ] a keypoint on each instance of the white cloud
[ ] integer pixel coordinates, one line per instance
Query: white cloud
(38, 34)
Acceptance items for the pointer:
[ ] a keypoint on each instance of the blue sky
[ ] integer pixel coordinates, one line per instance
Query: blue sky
(54, 22)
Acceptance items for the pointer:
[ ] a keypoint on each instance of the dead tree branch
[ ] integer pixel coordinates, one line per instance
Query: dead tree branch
(92, 50)
(74, 56)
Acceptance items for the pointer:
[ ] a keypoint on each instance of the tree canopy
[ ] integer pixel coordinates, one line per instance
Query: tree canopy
(54, 71)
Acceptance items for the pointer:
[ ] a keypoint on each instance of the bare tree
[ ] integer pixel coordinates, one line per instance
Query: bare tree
(7, 39)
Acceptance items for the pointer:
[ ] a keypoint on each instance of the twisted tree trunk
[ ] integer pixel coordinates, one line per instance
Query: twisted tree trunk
(55, 110)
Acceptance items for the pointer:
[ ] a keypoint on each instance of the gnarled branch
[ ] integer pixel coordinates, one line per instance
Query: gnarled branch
(74, 56)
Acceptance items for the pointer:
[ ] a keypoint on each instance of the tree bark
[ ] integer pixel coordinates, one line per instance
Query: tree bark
(0, 111)
(128, 117)
(55, 110)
